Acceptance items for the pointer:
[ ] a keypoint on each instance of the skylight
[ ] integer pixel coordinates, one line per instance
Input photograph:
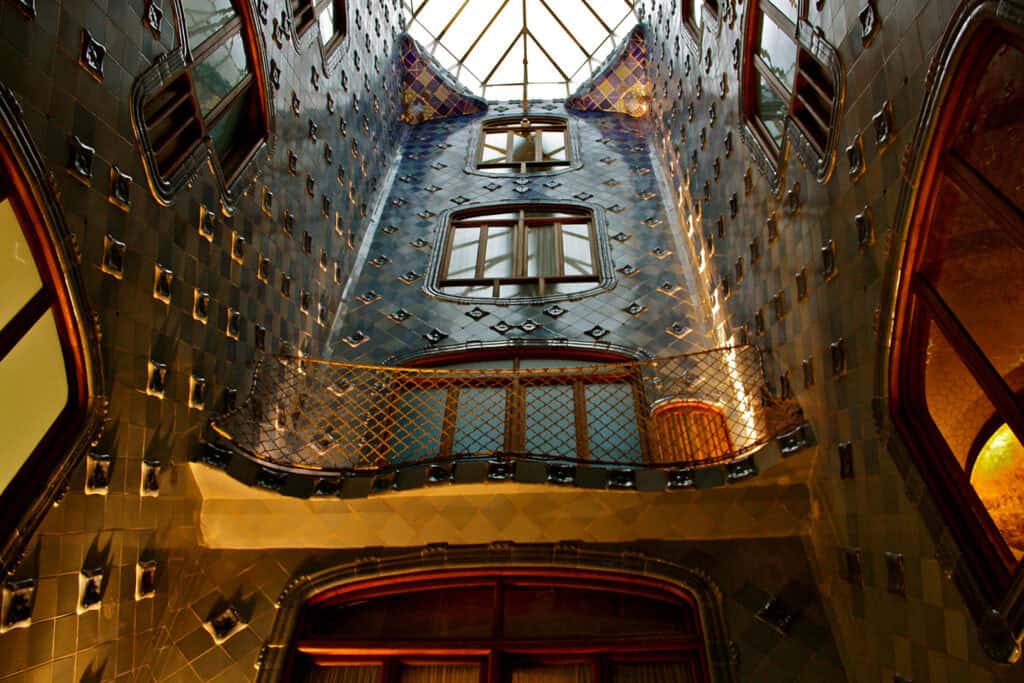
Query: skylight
(520, 49)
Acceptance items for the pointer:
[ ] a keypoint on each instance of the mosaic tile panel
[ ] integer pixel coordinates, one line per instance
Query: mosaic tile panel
(428, 91)
(622, 85)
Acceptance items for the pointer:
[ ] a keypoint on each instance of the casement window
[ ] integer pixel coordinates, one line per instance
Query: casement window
(520, 251)
(787, 84)
(44, 392)
(328, 15)
(214, 99)
(524, 145)
(571, 406)
(516, 625)
(957, 375)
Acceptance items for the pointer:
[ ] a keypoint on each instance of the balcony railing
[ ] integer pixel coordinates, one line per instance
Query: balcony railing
(330, 418)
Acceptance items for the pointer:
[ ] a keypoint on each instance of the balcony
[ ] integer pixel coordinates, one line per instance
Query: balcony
(312, 427)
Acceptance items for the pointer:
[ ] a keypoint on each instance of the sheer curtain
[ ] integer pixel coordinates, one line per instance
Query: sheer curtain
(345, 674)
(440, 673)
(556, 673)
(660, 672)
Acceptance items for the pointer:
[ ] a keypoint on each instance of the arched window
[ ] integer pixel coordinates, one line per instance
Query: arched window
(45, 366)
(791, 91)
(958, 371)
(690, 431)
(515, 625)
(206, 100)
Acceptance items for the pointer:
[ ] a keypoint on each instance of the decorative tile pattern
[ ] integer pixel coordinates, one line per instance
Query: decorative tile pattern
(621, 85)
(428, 91)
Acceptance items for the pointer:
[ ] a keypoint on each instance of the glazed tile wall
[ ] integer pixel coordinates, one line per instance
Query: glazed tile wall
(615, 178)
(869, 525)
(337, 127)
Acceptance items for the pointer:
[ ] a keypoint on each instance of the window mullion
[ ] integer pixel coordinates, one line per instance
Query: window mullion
(23, 320)
(481, 253)
(519, 246)
(987, 198)
(559, 250)
(223, 35)
(780, 19)
(579, 404)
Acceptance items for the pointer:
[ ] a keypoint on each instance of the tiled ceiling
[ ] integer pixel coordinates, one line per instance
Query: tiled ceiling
(516, 49)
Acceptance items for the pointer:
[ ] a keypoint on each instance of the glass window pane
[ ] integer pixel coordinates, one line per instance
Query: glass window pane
(771, 109)
(978, 270)
(696, 15)
(440, 673)
(462, 263)
(660, 672)
(19, 278)
(787, 7)
(523, 146)
(203, 18)
(778, 51)
(326, 22)
(551, 673)
(550, 420)
(417, 422)
(480, 422)
(541, 254)
(611, 422)
(998, 477)
(33, 392)
(498, 259)
(230, 130)
(955, 402)
(576, 248)
(359, 673)
(219, 73)
(553, 143)
(495, 145)
(992, 139)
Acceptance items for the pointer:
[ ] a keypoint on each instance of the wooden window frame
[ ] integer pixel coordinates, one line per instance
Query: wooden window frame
(687, 8)
(58, 443)
(994, 572)
(510, 126)
(515, 397)
(314, 8)
(797, 93)
(476, 219)
(495, 652)
(248, 87)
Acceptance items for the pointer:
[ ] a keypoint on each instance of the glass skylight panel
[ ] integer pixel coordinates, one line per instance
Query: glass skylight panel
(482, 42)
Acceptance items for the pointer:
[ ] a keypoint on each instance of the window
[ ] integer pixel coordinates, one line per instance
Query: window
(328, 15)
(785, 81)
(514, 252)
(572, 406)
(690, 431)
(516, 625)
(693, 17)
(957, 375)
(524, 145)
(43, 378)
(215, 97)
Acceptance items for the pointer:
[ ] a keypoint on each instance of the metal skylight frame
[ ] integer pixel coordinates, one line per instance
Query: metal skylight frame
(544, 35)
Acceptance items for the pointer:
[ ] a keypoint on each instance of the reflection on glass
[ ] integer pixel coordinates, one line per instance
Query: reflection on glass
(498, 259)
(19, 279)
(553, 144)
(787, 7)
(326, 22)
(541, 257)
(480, 409)
(998, 477)
(228, 130)
(495, 147)
(203, 18)
(771, 109)
(611, 422)
(778, 51)
(523, 147)
(219, 73)
(33, 391)
(576, 250)
(550, 420)
(696, 17)
(462, 262)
